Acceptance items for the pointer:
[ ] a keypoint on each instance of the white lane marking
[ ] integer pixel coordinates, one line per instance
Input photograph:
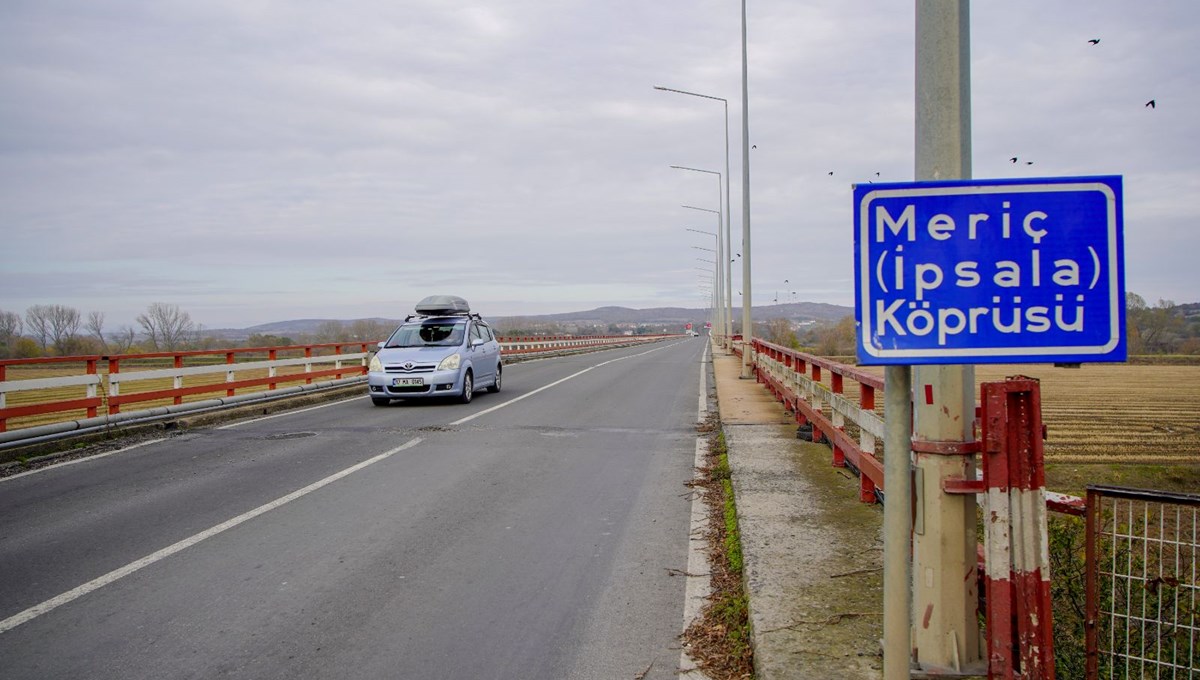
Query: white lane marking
(698, 583)
(510, 402)
(57, 466)
(117, 574)
(288, 413)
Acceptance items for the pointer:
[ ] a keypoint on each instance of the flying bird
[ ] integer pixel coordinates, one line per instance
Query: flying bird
(1095, 41)
(1028, 162)
(1150, 103)
(753, 146)
(1013, 159)
(831, 173)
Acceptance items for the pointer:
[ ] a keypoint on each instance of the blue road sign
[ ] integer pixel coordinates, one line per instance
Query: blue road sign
(990, 271)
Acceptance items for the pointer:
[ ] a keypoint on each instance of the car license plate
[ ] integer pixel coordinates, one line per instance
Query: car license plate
(408, 382)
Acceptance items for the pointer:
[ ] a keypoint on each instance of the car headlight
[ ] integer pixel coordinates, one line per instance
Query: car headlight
(376, 366)
(450, 363)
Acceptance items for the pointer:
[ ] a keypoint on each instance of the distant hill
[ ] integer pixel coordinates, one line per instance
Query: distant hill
(797, 311)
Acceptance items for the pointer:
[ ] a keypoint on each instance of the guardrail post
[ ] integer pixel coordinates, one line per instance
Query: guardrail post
(229, 375)
(114, 384)
(91, 389)
(177, 381)
(3, 395)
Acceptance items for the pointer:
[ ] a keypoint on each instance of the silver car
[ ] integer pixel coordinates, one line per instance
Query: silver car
(436, 356)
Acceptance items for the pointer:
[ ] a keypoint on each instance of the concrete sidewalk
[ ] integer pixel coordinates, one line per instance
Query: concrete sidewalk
(812, 552)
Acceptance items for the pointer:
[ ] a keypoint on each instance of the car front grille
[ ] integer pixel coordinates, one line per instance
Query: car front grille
(404, 369)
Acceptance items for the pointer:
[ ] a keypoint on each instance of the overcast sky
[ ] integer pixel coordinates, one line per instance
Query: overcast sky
(254, 161)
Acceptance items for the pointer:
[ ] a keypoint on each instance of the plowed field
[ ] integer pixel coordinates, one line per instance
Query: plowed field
(1115, 413)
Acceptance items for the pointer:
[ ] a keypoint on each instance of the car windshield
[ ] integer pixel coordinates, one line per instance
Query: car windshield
(428, 334)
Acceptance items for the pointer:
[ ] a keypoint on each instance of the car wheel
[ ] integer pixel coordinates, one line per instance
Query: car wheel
(495, 387)
(380, 401)
(468, 389)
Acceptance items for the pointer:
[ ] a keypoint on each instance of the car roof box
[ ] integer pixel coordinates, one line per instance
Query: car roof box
(443, 305)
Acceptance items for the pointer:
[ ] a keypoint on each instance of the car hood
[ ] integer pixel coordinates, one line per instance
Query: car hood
(393, 355)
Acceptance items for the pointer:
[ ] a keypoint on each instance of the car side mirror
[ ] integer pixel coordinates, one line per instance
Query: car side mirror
(476, 342)
(380, 344)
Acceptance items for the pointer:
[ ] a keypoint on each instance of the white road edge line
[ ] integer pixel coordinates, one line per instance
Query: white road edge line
(117, 574)
(510, 402)
(58, 466)
(698, 585)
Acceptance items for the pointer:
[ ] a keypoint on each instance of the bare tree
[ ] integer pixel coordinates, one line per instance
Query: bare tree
(838, 339)
(122, 340)
(331, 331)
(167, 327)
(368, 330)
(10, 330)
(37, 320)
(779, 331)
(64, 328)
(53, 324)
(95, 328)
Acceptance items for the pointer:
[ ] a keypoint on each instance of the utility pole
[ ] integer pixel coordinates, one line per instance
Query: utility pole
(945, 595)
(747, 300)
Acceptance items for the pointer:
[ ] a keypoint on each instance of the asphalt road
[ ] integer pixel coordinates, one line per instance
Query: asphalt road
(535, 533)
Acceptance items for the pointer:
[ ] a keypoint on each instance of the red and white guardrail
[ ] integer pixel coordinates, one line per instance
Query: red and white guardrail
(69, 393)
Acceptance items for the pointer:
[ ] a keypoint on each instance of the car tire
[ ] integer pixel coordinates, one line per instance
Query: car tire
(380, 401)
(468, 388)
(495, 386)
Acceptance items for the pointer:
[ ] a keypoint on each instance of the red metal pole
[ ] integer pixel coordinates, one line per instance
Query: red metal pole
(1091, 585)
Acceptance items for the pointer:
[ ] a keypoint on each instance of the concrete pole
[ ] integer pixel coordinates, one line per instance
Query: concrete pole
(747, 323)
(718, 276)
(727, 312)
(897, 524)
(945, 594)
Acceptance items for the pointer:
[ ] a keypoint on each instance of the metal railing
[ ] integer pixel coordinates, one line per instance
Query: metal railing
(1143, 547)
(853, 427)
(48, 392)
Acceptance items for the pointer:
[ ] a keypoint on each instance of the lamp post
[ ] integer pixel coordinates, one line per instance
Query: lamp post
(728, 293)
(724, 271)
(719, 306)
(747, 323)
(716, 305)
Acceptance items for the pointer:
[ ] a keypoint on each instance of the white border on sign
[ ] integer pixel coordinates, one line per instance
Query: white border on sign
(865, 270)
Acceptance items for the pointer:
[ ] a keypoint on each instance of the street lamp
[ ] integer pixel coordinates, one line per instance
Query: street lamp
(725, 272)
(747, 323)
(728, 331)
